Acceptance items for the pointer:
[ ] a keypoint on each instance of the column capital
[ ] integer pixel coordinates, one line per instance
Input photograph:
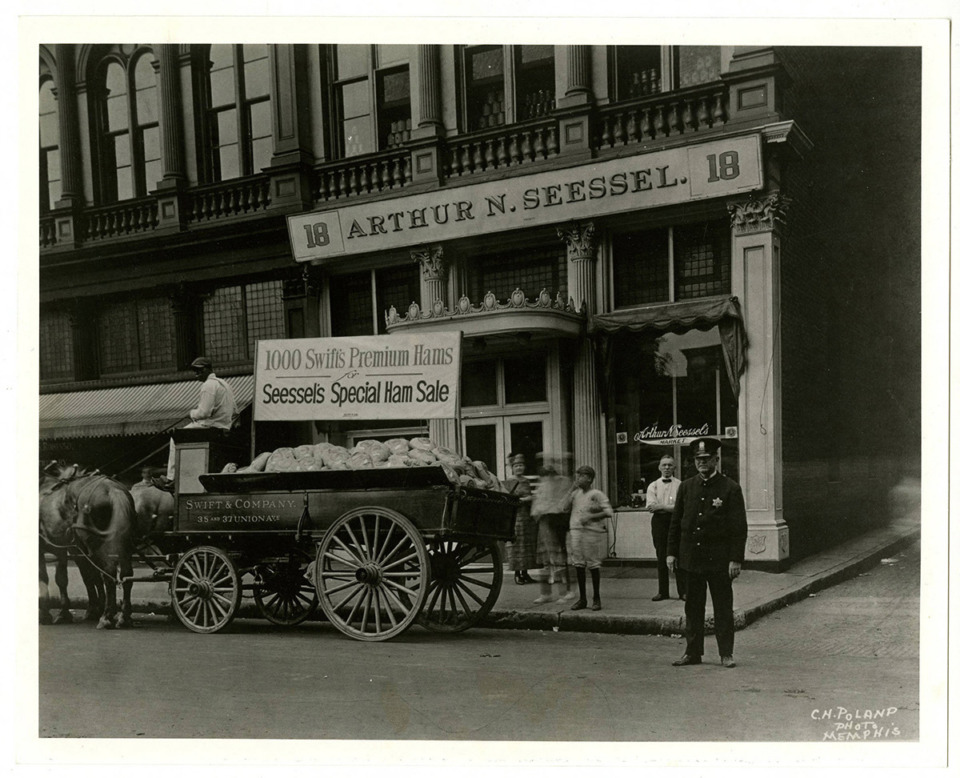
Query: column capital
(307, 284)
(579, 238)
(758, 214)
(430, 259)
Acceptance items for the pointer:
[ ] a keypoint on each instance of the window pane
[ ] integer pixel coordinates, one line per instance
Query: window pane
(53, 165)
(256, 70)
(155, 320)
(526, 438)
(702, 259)
(485, 63)
(49, 130)
(530, 54)
(478, 384)
(358, 136)
(525, 378)
(396, 86)
(229, 157)
(698, 65)
(146, 85)
(397, 286)
(56, 345)
(353, 59)
(355, 100)
(221, 76)
(121, 150)
(262, 153)
(481, 444)
(260, 122)
(264, 313)
(223, 331)
(351, 304)
(118, 338)
(151, 144)
(116, 94)
(641, 272)
(124, 171)
(226, 126)
(394, 53)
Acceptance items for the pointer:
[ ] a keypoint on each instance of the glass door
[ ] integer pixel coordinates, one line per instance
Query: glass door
(492, 440)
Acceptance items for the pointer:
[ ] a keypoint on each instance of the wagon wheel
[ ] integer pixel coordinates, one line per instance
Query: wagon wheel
(284, 594)
(466, 583)
(371, 573)
(205, 589)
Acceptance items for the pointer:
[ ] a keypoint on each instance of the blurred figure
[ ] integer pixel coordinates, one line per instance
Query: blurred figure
(551, 512)
(523, 549)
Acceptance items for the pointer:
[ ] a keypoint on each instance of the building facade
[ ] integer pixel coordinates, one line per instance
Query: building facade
(640, 244)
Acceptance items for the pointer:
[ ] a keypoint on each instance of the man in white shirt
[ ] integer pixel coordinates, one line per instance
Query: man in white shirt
(217, 408)
(661, 498)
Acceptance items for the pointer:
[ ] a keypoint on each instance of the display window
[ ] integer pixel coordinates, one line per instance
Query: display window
(673, 391)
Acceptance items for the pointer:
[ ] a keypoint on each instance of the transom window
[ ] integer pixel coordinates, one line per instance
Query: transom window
(504, 381)
(530, 270)
(352, 311)
(238, 127)
(671, 263)
(129, 131)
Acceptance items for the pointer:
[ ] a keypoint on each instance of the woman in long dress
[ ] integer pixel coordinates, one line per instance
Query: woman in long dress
(523, 549)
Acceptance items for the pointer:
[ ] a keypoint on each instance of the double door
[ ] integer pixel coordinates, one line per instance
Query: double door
(492, 439)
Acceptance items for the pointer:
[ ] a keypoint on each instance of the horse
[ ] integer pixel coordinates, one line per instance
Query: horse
(93, 514)
(155, 507)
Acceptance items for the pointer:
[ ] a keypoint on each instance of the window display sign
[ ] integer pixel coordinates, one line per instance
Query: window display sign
(400, 377)
(678, 175)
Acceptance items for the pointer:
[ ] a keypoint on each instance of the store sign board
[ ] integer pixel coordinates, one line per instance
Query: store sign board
(679, 175)
(400, 377)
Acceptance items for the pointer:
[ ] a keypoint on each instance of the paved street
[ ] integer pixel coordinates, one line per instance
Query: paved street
(850, 651)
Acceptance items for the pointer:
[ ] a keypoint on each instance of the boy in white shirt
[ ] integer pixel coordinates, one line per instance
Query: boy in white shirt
(589, 510)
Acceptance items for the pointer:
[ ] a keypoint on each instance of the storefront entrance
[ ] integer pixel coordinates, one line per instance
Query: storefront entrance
(492, 440)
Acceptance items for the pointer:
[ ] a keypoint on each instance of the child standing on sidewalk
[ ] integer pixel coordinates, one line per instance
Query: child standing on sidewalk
(589, 510)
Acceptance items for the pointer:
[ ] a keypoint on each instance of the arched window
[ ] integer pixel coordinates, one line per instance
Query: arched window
(129, 149)
(237, 126)
(50, 187)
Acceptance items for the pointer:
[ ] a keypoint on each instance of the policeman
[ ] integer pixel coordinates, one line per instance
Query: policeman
(707, 539)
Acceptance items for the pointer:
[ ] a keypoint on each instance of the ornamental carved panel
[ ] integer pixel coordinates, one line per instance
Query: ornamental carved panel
(757, 544)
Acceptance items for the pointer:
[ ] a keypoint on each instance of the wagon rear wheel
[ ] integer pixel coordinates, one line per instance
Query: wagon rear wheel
(206, 589)
(372, 573)
(283, 593)
(466, 581)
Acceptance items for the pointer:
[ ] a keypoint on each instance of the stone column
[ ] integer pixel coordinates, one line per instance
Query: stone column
(171, 117)
(426, 137)
(292, 133)
(428, 61)
(71, 176)
(433, 293)
(582, 284)
(578, 72)
(755, 280)
(301, 304)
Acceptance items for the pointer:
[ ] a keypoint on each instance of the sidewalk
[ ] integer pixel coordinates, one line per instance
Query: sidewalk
(626, 591)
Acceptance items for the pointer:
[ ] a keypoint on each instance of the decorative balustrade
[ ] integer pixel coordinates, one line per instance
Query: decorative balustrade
(130, 217)
(235, 197)
(660, 116)
(507, 146)
(48, 232)
(360, 176)
(464, 308)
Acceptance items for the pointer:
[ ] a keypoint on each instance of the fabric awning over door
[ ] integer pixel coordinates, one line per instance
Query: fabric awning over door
(722, 312)
(127, 410)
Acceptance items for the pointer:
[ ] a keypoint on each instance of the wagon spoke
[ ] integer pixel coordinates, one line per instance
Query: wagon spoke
(400, 606)
(459, 587)
(394, 564)
(363, 556)
(353, 563)
(403, 589)
(476, 581)
(346, 548)
(386, 540)
(347, 585)
(366, 540)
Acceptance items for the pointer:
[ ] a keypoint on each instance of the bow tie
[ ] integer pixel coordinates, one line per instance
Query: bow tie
(667, 480)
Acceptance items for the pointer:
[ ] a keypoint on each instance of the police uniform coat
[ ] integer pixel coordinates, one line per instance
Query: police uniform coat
(709, 525)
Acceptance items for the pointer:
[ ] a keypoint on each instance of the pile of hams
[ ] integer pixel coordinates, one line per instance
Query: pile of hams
(371, 454)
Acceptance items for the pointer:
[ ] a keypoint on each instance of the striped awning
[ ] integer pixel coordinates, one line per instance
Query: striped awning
(127, 410)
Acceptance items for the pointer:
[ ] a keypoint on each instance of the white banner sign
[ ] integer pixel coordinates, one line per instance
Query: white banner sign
(376, 377)
(658, 178)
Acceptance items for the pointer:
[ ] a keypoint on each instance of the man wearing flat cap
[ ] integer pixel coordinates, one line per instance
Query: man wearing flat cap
(217, 408)
(707, 539)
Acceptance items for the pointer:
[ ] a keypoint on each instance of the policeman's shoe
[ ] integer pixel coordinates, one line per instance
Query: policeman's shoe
(687, 659)
(596, 605)
(727, 661)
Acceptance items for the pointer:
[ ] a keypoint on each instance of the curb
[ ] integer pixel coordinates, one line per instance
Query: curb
(566, 621)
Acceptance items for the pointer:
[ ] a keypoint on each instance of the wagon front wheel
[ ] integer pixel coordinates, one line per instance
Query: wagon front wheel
(371, 573)
(283, 593)
(205, 589)
(466, 581)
